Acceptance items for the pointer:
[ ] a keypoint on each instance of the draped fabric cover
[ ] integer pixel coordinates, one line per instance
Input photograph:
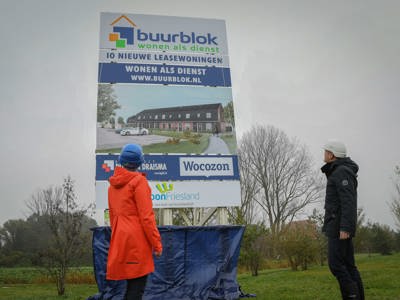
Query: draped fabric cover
(197, 263)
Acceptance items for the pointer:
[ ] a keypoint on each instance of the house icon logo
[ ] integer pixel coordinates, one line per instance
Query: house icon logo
(122, 35)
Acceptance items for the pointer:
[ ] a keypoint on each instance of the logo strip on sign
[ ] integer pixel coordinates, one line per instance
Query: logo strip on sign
(176, 167)
(176, 33)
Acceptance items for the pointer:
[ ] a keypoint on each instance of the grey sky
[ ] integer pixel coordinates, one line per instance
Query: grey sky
(316, 69)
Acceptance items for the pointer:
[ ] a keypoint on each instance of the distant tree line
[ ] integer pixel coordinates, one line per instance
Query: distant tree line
(55, 237)
(375, 237)
(22, 241)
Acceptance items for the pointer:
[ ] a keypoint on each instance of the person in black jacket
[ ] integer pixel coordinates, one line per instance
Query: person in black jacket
(341, 218)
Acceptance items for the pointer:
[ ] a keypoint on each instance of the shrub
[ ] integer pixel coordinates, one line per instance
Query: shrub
(187, 134)
(253, 247)
(300, 244)
(195, 141)
(173, 141)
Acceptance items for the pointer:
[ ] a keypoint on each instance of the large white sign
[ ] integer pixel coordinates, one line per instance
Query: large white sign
(184, 193)
(165, 84)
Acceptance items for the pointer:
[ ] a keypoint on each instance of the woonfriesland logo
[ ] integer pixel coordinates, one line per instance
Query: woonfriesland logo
(164, 188)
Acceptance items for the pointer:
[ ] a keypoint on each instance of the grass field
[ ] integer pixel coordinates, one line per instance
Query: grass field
(184, 146)
(230, 141)
(381, 276)
(46, 292)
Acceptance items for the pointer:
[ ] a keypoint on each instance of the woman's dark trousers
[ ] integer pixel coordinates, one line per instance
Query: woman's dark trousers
(135, 288)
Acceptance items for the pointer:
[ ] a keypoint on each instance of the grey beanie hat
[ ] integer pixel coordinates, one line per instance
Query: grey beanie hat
(338, 148)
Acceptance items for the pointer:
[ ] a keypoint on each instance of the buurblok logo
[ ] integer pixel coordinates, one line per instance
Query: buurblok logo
(123, 36)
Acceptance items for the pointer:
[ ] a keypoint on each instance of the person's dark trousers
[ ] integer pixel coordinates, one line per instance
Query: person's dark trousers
(135, 288)
(342, 265)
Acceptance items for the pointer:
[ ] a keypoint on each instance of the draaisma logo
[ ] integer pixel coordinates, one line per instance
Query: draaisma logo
(108, 166)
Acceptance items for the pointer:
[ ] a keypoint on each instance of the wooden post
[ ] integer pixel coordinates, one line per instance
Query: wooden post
(166, 216)
(222, 216)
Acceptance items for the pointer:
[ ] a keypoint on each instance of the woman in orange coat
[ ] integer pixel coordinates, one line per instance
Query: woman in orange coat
(134, 234)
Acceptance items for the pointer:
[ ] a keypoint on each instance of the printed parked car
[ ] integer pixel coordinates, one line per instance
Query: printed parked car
(134, 131)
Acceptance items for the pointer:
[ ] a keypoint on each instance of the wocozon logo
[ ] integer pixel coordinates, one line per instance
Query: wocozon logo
(206, 166)
(128, 35)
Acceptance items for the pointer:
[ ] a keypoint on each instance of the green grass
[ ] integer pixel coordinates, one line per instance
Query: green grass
(230, 141)
(35, 275)
(168, 133)
(380, 275)
(32, 283)
(184, 146)
(46, 291)
(19, 275)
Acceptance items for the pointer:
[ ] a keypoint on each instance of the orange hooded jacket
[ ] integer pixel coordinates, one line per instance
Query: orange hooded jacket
(134, 234)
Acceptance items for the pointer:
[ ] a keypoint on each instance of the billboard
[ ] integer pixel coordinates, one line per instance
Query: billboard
(164, 83)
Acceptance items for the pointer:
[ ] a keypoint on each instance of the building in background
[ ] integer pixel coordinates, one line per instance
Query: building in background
(196, 118)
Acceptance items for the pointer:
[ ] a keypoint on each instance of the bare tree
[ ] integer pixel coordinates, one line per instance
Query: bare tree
(246, 212)
(395, 204)
(64, 219)
(283, 170)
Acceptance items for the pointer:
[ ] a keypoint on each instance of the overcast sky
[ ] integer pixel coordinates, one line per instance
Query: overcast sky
(315, 69)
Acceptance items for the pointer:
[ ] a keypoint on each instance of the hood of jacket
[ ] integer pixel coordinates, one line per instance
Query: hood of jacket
(328, 168)
(122, 177)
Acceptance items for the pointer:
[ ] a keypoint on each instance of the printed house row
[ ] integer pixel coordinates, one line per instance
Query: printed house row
(196, 118)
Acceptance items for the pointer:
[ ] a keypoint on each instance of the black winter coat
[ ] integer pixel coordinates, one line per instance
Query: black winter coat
(341, 197)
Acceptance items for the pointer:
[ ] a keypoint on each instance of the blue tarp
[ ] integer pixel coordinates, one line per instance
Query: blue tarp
(197, 263)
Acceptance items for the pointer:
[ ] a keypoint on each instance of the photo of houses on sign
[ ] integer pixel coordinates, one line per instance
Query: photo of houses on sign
(166, 119)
